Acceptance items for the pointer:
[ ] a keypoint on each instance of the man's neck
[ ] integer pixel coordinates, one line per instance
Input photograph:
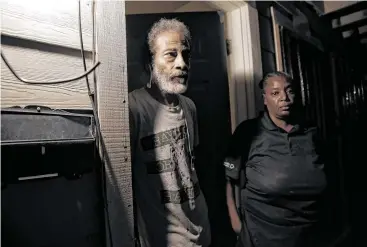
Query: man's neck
(161, 97)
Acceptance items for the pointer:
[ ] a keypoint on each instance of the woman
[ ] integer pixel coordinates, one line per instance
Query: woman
(280, 198)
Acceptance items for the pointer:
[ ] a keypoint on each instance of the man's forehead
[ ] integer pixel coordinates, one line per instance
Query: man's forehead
(171, 39)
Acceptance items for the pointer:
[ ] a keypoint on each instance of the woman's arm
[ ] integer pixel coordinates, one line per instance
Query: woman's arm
(232, 209)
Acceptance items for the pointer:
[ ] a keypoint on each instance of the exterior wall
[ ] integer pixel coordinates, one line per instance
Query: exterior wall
(41, 41)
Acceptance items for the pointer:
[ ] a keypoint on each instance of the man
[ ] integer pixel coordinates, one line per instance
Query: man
(171, 209)
(275, 162)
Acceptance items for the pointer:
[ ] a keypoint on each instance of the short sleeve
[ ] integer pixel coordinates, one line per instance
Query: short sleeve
(237, 145)
(232, 167)
(238, 138)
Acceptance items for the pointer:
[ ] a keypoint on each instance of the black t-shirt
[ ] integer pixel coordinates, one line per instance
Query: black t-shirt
(285, 181)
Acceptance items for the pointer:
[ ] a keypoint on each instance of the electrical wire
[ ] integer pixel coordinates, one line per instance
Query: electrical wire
(27, 81)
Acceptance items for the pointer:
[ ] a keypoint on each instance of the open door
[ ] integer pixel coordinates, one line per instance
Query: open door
(208, 88)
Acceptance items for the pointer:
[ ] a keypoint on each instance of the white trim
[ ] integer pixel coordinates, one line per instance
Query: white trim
(244, 63)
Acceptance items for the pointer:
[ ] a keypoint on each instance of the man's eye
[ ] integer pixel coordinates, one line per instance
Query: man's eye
(171, 54)
(274, 93)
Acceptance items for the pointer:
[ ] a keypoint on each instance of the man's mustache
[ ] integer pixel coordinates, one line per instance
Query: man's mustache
(179, 74)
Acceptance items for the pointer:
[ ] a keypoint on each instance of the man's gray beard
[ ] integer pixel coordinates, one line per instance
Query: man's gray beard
(166, 85)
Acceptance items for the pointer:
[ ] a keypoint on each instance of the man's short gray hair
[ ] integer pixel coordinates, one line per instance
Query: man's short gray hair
(164, 25)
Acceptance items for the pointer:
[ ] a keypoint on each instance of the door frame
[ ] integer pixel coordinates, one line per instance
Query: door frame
(241, 29)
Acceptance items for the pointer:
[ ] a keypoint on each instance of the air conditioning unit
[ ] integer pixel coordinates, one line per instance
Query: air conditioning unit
(38, 143)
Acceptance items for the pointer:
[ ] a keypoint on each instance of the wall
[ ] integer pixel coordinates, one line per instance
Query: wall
(41, 42)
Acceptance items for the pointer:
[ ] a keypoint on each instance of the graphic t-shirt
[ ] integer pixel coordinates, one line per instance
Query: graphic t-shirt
(171, 209)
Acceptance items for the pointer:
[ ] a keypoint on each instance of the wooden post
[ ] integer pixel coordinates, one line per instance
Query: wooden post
(112, 101)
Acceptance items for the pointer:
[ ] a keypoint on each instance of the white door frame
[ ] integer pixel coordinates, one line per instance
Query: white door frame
(244, 61)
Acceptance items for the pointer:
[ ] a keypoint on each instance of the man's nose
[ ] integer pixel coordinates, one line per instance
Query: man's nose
(180, 62)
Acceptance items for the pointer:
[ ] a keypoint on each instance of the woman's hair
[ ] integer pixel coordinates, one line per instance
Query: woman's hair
(264, 81)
